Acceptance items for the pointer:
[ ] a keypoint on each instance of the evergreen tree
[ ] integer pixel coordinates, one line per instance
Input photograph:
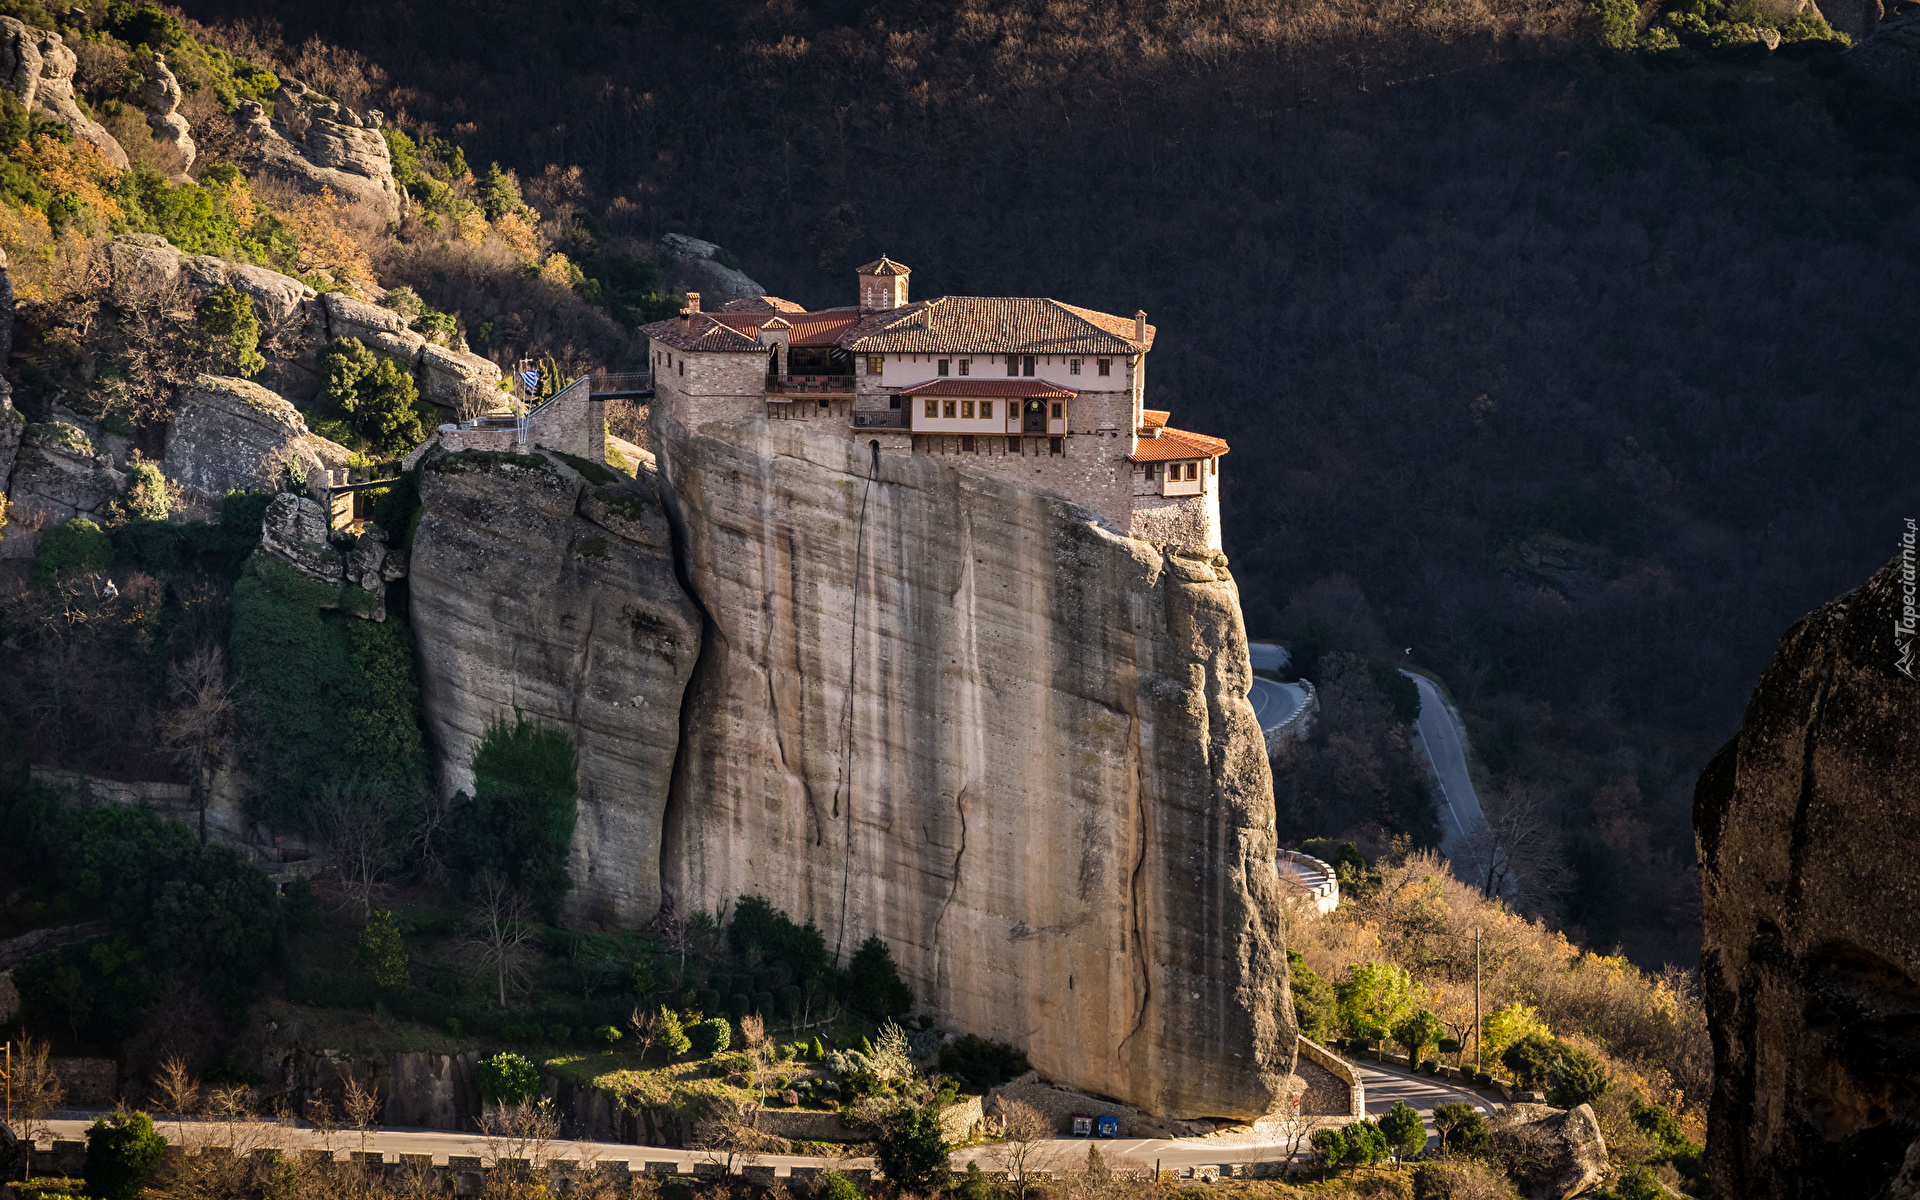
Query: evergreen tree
(1404, 1130)
(226, 316)
(382, 954)
(912, 1151)
(877, 990)
(123, 1149)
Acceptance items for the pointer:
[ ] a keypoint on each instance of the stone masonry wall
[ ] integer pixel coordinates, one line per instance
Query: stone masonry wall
(1179, 520)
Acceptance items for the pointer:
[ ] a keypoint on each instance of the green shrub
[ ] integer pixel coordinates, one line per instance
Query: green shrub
(226, 316)
(1576, 1077)
(1404, 1130)
(1447, 1045)
(506, 1078)
(607, 1034)
(739, 1005)
(1462, 1129)
(832, 1185)
(383, 956)
(983, 1064)
(672, 1035)
(707, 1000)
(1416, 1032)
(912, 1151)
(710, 1037)
(381, 401)
(1618, 22)
(1529, 1059)
(146, 497)
(559, 1033)
(519, 821)
(1635, 1183)
(1360, 1144)
(123, 1150)
(75, 547)
(1314, 1006)
(454, 1028)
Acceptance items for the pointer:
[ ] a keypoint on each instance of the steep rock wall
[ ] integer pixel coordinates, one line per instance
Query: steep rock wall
(1059, 813)
(533, 590)
(1811, 959)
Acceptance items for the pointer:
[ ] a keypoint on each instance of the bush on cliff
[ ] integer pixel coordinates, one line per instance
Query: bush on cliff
(381, 402)
(506, 1078)
(227, 318)
(874, 986)
(74, 547)
(519, 821)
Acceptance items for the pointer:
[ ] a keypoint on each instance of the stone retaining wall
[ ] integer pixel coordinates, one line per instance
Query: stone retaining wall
(1057, 1104)
(1342, 1070)
(1297, 726)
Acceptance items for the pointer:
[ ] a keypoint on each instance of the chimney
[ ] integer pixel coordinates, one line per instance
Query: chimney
(693, 301)
(1140, 326)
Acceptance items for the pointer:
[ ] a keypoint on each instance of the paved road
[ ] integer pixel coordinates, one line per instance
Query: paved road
(1273, 702)
(1444, 742)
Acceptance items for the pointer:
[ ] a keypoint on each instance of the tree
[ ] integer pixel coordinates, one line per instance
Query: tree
(875, 986)
(123, 1150)
(1504, 1026)
(673, 1036)
(832, 1185)
(501, 925)
(1025, 1143)
(1405, 1132)
(37, 1093)
(647, 1028)
(1416, 1032)
(519, 821)
(499, 193)
(381, 401)
(1375, 997)
(1360, 1144)
(226, 316)
(912, 1150)
(506, 1079)
(1576, 1077)
(202, 714)
(710, 1037)
(75, 546)
(146, 496)
(1529, 1059)
(383, 956)
(1315, 1008)
(1462, 1129)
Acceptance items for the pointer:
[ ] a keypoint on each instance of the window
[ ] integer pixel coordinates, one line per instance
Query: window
(1106, 365)
(933, 408)
(1214, 463)
(823, 402)
(683, 366)
(1026, 365)
(876, 363)
(1193, 470)
(986, 410)
(966, 365)
(1073, 366)
(966, 409)
(1059, 446)
(1013, 445)
(1059, 409)
(966, 444)
(943, 366)
(947, 409)
(1013, 365)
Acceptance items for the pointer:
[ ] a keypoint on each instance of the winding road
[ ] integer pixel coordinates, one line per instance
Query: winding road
(1444, 743)
(1273, 702)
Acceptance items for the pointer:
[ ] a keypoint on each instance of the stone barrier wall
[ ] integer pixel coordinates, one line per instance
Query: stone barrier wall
(1057, 1104)
(1342, 1070)
(1299, 725)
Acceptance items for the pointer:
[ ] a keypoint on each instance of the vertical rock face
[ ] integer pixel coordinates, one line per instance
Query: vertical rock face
(536, 591)
(1811, 962)
(1057, 809)
(37, 66)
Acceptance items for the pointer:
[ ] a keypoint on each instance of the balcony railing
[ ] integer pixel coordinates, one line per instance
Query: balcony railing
(780, 384)
(621, 382)
(884, 419)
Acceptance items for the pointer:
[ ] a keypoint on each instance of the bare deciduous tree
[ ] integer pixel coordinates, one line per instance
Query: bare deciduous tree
(363, 1106)
(1515, 850)
(37, 1093)
(646, 1028)
(179, 1092)
(354, 824)
(201, 715)
(1026, 1144)
(502, 923)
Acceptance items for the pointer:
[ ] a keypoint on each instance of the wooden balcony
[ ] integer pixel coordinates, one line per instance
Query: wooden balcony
(778, 385)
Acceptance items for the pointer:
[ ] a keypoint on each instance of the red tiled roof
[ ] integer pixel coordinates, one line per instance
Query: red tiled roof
(883, 266)
(704, 331)
(823, 328)
(1177, 444)
(1153, 418)
(1023, 389)
(762, 304)
(999, 325)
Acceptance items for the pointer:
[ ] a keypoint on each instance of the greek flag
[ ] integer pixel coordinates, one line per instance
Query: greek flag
(531, 380)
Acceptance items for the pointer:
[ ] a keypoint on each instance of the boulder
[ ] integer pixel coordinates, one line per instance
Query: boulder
(57, 474)
(691, 267)
(234, 435)
(1810, 960)
(1892, 55)
(1551, 1153)
(317, 144)
(356, 567)
(37, 66)
(161, 94)
(144, 262)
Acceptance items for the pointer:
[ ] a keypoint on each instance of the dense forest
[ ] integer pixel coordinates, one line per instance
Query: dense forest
(1560, 348)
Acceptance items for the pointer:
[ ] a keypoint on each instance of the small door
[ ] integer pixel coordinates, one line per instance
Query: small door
(1035, 417)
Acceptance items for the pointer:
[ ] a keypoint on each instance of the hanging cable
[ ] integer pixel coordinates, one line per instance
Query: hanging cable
(853, 659)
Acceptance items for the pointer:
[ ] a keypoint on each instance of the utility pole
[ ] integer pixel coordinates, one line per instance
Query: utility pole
(9, 1081)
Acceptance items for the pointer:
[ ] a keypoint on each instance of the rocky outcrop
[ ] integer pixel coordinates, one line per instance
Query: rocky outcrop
(296, 323)
(232, 435)
(357, 567)
(57, 474)
(161, 95)
(1045, 789)
(1892, 54)
(537, 591)
(1810, 963)
(315, 143)
(37, 66)
(691, 267)
(1552, 1153)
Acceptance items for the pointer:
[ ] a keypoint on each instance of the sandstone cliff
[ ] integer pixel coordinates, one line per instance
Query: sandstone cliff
(1811, 959)
(538, 592)
(234, 435)
(1057, 809)
(37, 66)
